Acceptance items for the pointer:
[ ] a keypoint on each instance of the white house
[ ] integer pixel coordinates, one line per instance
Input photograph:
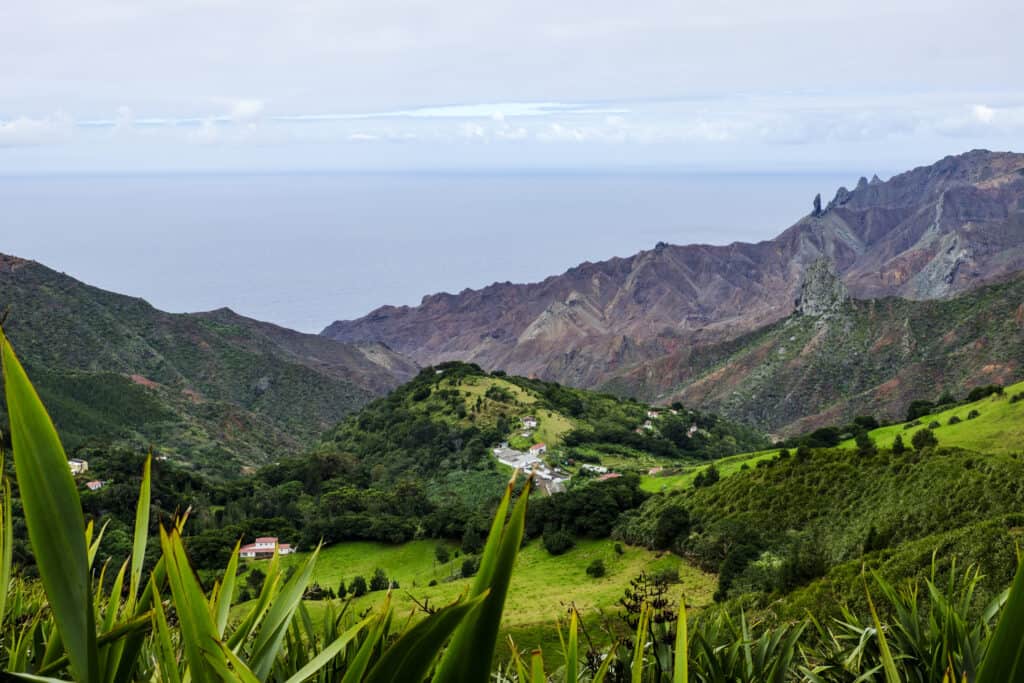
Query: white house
(538, 449)
(598, 469)
(78, 466)
(529, 422)
(653, 414)
(263, 548)
(94, 485)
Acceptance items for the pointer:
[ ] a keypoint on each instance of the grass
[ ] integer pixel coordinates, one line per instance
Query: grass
(726, 467)
(998, 429)
(542, 585)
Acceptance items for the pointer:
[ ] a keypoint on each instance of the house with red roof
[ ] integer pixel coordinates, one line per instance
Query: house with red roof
(263, 548)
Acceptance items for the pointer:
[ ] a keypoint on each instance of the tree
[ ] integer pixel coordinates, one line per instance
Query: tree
(358, 587)
(342, 591)
(897, 445)
(469, 567)
(379, 580)
(596, 569)
(867, 422)
(918, 409)
(441, 553)
(673, 523)
(706, 477)
(923, 439)
(472, 542)
(558, 541)
(865, 446)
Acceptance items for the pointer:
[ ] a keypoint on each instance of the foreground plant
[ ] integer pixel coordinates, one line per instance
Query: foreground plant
(98, 637)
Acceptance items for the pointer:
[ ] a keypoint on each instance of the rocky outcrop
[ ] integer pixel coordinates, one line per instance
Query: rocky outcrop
(930, 233)
(821, 292)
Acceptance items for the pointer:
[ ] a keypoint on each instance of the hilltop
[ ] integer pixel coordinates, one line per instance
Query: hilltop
(214, 389)
(931, 233)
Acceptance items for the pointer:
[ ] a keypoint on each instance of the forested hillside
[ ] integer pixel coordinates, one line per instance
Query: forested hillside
(213, 390)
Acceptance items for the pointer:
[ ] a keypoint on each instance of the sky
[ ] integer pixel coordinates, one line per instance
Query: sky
(377, 85)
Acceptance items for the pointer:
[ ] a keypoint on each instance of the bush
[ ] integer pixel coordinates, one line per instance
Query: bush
(596, 569)
(897, 445)
(865, 446)
(954, 420)
(469, 567)
(973, 414)
(618, 549)
(357, 587)
(558, 542)
(441, 554)
(379, 580)
(918, 409)
(673, 524)
(978, 393)
(924, 439)
(706, 477)
(934, 424)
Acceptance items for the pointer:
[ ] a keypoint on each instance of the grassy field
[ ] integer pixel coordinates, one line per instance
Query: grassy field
(726, 467)
(542, 585)
(998, 429)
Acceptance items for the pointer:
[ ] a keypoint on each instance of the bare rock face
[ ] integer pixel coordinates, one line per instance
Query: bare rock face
(930, 233)
(821, 292)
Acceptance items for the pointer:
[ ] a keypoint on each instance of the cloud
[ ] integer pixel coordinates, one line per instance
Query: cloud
(29, 132)
(983, 113)
(246, 110)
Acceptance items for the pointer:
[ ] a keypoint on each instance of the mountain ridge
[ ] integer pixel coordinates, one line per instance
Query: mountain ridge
(216, 386)
(929, 233)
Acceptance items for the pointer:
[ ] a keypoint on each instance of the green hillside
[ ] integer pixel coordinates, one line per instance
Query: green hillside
(998, 426)
(214, 390)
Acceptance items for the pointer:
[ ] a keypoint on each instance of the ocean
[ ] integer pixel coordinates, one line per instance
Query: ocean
(302, 250)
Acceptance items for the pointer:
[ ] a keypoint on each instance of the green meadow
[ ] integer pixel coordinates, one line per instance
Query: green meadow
(543, 586)
(999, 427)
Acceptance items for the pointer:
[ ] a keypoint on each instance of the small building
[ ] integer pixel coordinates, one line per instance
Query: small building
(529, 422)
(654, 471)
(263, 548)
(692, 430)
(597, 469)
(610, 475)
(648, 425)
(538, 449)
(94, 485)
(653, 414)
(78, 465)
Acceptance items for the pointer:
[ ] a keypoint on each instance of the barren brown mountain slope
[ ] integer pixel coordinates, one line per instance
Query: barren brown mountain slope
(929, 233)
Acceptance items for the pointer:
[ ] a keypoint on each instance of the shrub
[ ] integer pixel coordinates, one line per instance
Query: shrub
(865, 446)
(357, 586)
(924, 439)
(379, 580)
(973, 414)
(469, 567)
(558, 541)
(918, 409)
(706, 477)
(954, 420)
(673, 523)
(897, 445)
(618, 549)
(342, 591)
(596, 569)
(978, 393)
(934, 424)
(441, 554)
